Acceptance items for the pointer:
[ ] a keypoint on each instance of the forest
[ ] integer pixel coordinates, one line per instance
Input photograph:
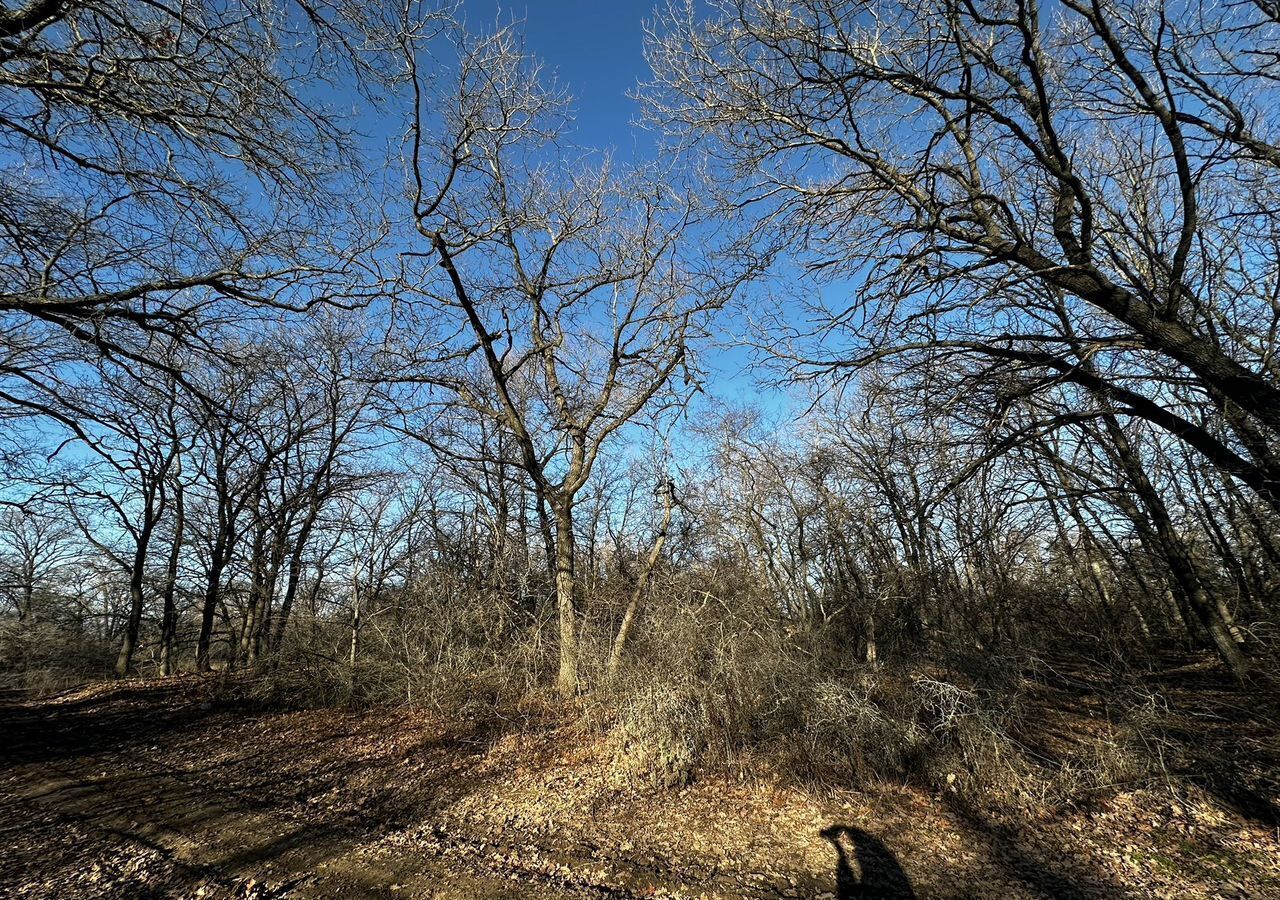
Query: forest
(885, 440)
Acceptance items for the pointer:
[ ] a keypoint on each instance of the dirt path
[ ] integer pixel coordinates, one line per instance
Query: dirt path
(186, 789)
(170, 792)
(148, 793)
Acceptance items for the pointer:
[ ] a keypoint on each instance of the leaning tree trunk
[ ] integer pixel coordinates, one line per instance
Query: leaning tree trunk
(1182, 568)
(642, 581)
(276, 637)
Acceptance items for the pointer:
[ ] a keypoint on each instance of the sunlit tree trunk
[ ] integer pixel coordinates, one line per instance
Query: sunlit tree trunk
(642, 582)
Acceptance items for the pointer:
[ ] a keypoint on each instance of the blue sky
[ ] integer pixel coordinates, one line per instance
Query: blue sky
(596, 49)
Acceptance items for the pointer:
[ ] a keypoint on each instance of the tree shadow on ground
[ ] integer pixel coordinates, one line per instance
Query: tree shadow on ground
(187, 773)
(1059, 874)
(865, 868)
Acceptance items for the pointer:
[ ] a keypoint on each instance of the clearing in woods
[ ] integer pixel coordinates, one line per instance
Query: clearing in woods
(186, 788)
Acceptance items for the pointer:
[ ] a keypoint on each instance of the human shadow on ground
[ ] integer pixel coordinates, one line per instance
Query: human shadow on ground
(865, 868)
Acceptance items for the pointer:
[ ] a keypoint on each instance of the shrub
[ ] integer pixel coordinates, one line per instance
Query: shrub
(42, 658)
(708, 686)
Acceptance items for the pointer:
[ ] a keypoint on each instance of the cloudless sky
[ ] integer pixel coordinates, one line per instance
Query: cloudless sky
(596, 50)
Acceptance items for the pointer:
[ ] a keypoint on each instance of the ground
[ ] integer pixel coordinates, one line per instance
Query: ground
(185, 788)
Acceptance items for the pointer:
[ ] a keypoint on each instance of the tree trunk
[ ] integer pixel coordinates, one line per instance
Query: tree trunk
(544, 525)
(642, 581)
(276, 638)
(169, 617)
(567, 681)
(258, 597)
(169, 620)
(354, 649)
(124, 661)
(872, 655)
(1178, 558)
(216, 565)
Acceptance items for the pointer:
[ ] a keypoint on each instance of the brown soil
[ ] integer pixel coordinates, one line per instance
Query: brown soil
(183, 788)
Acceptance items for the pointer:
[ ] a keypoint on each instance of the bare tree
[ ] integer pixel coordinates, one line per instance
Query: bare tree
(171, 163)
(975, 168)
(120, 496)
(36, 548)
(568, 284)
